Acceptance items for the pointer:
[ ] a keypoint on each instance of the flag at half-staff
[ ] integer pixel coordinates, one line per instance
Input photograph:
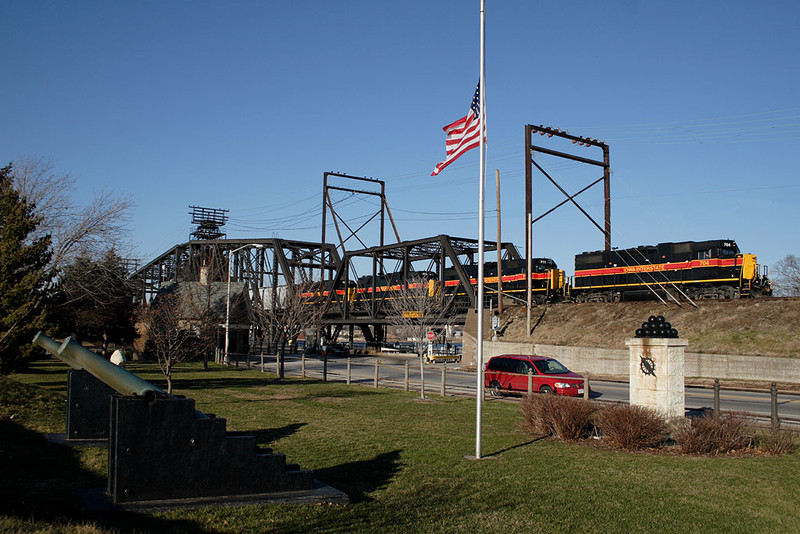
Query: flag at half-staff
(462, 135)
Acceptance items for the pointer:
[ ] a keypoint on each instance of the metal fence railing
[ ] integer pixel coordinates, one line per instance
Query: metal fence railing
(375, 372)
(438, 379)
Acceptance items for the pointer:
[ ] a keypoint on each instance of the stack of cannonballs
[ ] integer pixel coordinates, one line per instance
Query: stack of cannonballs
(656, 326)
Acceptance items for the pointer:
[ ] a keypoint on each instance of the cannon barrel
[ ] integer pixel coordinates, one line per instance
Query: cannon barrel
(122, 381)
(76, 356)
(51, 345)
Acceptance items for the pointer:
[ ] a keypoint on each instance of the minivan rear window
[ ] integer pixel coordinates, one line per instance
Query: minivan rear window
(550, 367)
(508, 365)
(498, 364)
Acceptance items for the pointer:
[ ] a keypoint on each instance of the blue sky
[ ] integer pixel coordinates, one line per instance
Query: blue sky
(244, 105)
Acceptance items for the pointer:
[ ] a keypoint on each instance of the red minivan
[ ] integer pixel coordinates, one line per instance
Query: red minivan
(509, 372)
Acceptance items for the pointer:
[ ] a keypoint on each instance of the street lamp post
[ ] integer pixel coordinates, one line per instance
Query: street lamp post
(228, 299)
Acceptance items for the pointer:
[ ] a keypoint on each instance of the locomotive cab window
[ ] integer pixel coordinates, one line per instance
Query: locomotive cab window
(704, 254)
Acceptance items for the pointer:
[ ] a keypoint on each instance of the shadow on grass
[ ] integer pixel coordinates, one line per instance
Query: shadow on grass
(270, 435)
(40, 484)
(232, 382)
(360, 478)
(186, 385)
(520, 445)
(55, 384)
(45, 365)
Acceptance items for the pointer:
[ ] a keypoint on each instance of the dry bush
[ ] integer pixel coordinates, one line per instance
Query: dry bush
(566, 418)
(777, 442)
(713, 435)
(572, 418)
(533, 414)
(631, 427)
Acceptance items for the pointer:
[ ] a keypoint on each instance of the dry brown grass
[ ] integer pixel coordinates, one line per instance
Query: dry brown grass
(762, 327)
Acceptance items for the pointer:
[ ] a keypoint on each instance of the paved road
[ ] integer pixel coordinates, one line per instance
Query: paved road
(391, 373)
(698, 398)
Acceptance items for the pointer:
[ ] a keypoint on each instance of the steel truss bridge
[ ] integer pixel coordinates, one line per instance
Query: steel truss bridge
(273, 266)
(262, 264)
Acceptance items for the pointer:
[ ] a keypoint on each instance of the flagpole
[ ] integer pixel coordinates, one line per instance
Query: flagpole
(481, 179)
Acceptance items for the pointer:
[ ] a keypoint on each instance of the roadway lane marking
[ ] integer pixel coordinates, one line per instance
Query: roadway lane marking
(754, 397)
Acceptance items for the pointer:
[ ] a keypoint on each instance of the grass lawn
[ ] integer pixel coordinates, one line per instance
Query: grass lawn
(399, 459)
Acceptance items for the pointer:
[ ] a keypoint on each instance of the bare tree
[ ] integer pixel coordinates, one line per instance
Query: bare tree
(787, 276)
(75, 229)
(96, 300)
(288, 313)
(168, 335)
(415, 309)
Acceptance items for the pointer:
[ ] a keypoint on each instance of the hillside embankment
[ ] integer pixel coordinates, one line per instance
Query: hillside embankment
(757, 327)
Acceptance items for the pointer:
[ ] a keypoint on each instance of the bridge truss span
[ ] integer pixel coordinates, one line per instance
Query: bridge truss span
(372, 275)
(264, 265)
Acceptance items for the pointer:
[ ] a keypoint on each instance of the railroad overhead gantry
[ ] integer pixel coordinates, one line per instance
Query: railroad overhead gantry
(530, 162)
(531, 150)
(343, 230)
(274, 263)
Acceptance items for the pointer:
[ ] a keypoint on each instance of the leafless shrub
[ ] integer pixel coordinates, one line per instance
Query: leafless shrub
(566, 418)
(632, 427)
(533, 414)
(572, 418)
(777, 442)
(168, 335)
(713, 435)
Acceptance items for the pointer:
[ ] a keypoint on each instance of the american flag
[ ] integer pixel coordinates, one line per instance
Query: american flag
(463, 134)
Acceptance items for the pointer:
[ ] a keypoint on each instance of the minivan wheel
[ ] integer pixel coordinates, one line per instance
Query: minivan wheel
(494, 388)
(547, 390)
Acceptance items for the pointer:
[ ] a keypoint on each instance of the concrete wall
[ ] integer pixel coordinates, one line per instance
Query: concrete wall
(614, 362)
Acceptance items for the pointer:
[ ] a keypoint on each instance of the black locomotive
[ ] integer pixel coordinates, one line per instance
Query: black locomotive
(713, 269)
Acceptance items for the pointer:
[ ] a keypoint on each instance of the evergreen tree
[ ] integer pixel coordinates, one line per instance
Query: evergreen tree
(24, 278)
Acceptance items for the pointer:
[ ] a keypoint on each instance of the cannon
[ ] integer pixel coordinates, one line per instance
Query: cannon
(91, 382)
(78, 357)
(113, 376)
(162, 452)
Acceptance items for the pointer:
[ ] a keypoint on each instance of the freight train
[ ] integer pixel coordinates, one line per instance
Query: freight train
(548, 284)
(714, 269)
